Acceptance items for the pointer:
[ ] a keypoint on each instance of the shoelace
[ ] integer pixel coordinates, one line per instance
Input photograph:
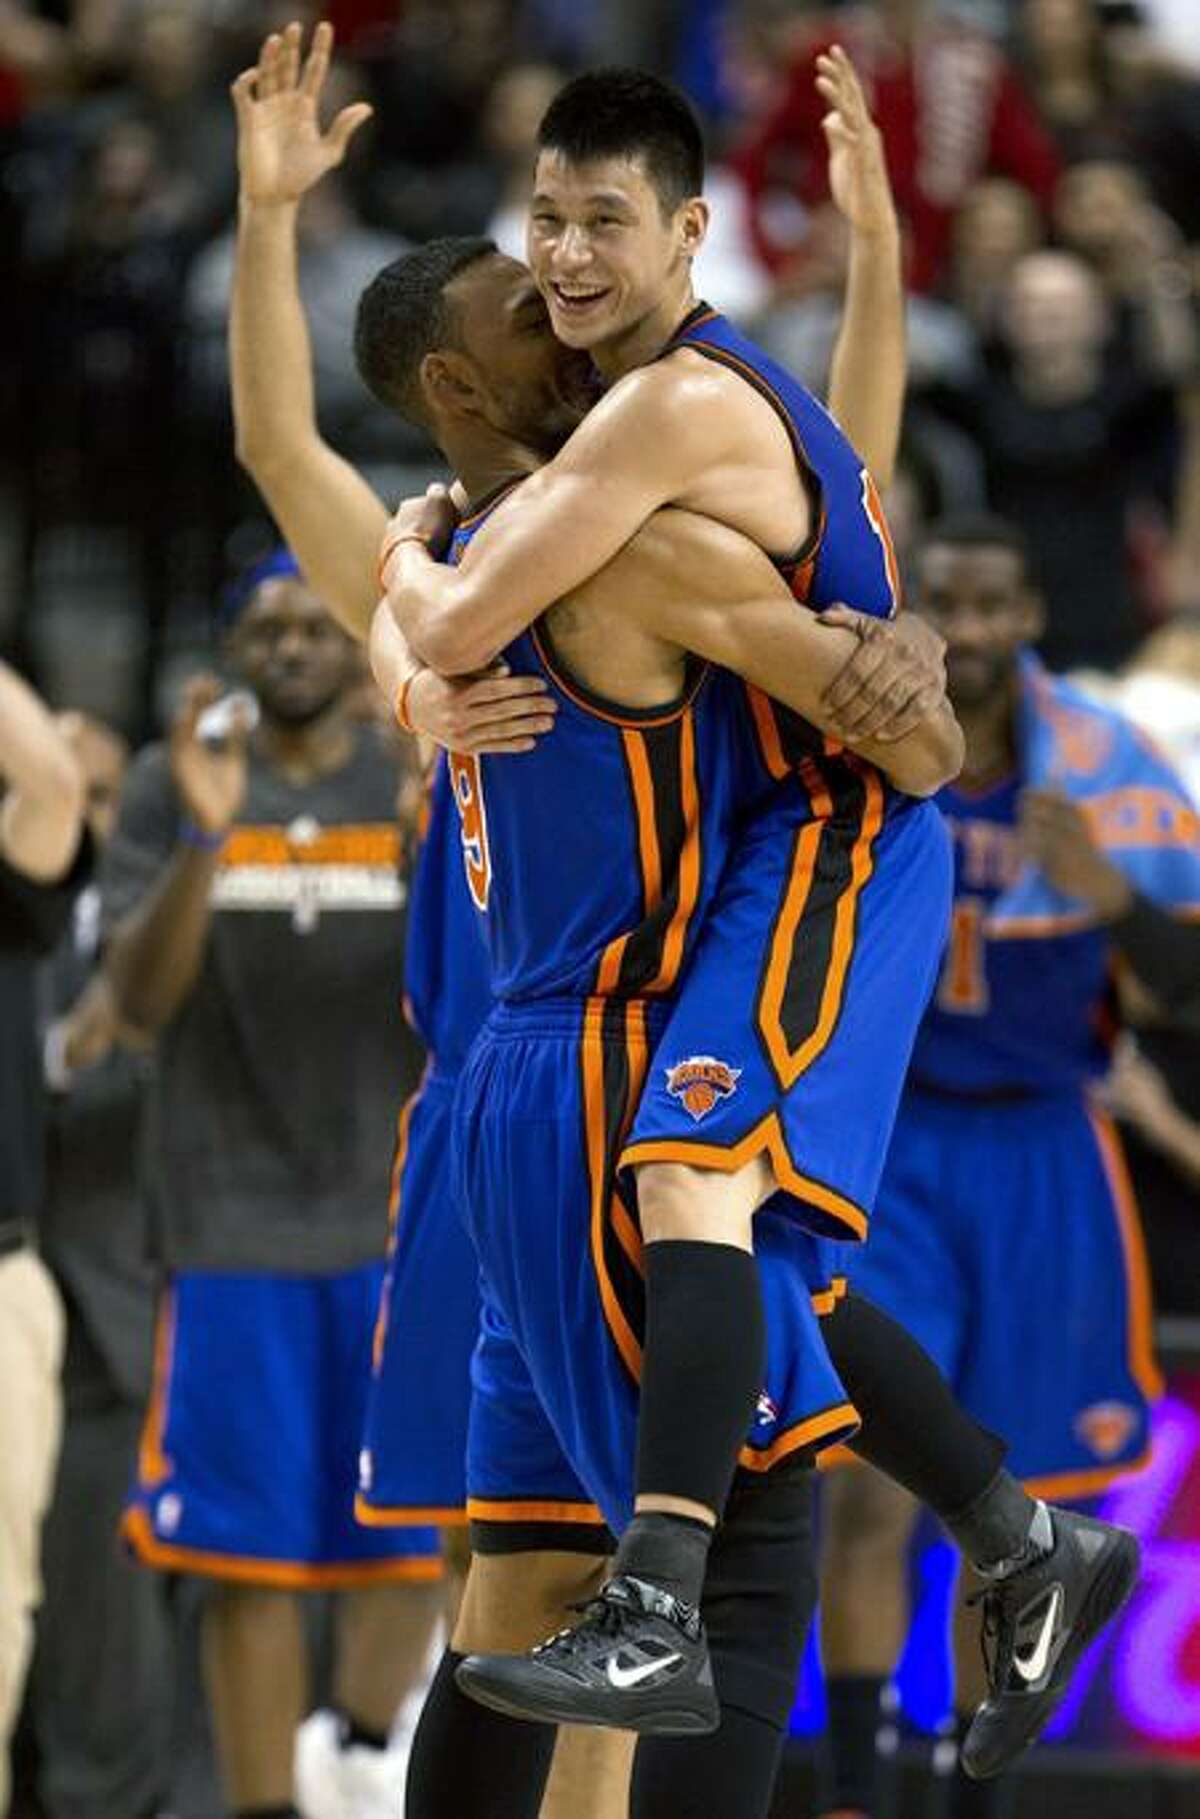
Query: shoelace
(601, 1617)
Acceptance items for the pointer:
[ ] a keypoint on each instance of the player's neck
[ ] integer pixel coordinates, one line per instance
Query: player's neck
(990, 732)
(300, 754)
(484, 464)
(645, 339)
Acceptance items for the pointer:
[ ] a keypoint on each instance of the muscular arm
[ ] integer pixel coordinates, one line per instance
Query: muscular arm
(702, 587)
(329, 516)
(41, 813)
(641, 447)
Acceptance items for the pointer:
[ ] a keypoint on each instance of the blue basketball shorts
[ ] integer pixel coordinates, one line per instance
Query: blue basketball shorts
(1007, 1240)
(247, 1465)
(543, 1107)
(795, 1021)
(413, 1464)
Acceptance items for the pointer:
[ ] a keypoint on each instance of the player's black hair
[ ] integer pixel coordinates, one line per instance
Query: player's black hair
(403, 315)
(625, 113)
(979, 530)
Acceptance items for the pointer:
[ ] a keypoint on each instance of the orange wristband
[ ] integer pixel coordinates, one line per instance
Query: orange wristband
(390, 548)
(402, 715)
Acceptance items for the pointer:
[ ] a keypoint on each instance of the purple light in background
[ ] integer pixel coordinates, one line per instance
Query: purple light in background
(1150, 1688)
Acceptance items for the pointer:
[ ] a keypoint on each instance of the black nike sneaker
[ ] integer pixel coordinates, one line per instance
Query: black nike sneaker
(1037, 1621)
(638, 1661)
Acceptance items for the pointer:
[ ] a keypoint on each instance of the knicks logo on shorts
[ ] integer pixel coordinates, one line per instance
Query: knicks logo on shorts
(1106, 1427)
(765, 1413)
(700, 1081)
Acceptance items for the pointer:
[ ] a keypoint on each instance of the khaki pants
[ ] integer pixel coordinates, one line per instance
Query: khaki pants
(31, 1342)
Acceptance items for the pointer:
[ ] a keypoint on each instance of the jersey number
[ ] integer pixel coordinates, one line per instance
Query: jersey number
(467, 779)
(964, 986)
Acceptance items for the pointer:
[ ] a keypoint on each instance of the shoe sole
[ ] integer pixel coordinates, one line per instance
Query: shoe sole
(622, 1715)
(1109, 1592)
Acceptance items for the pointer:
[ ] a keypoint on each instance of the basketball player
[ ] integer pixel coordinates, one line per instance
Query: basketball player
(697, 417)
(1006, 1238)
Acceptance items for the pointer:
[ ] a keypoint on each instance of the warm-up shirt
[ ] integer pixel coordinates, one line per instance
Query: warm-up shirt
(272, 1110)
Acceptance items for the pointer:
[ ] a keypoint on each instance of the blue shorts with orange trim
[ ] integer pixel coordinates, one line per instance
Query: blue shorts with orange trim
(413, 1465)
(542, 1108)
(1007, 1241)
(247, 1465)
(795, 1021)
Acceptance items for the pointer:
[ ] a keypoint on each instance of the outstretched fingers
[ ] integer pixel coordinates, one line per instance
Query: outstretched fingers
(316, 66)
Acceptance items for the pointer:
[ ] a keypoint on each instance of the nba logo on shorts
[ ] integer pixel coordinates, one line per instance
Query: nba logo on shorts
(700, 1081)
(1106, 1427)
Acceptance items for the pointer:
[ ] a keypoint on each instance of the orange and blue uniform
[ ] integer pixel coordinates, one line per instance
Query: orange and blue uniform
(412, 1466)
(592, 862)
(1006, 1237)
(794, 1025)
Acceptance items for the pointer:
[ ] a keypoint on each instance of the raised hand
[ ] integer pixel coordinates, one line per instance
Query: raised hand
(858, 178)
(211, 780)
(281, 149)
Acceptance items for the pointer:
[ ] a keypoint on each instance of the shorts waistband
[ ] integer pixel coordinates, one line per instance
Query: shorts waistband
(986, 1095)
(574, 1017)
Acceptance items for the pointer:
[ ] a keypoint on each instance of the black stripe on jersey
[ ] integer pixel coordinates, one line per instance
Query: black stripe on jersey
(812, 951)
(623, 1273)
(642, 960)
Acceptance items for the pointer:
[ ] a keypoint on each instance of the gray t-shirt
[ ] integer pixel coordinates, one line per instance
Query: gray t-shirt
(273, 1105)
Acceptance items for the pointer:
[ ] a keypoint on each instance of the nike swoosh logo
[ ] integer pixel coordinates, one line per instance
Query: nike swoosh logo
(622, 1678)
(1032, 1666)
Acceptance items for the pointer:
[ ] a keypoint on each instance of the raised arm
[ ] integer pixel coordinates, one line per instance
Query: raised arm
(704, 588)
(869, 370)
(330, 517)
(41, 811)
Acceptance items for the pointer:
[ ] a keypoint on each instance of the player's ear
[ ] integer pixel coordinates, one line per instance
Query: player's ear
(449, 383)
(692, 222)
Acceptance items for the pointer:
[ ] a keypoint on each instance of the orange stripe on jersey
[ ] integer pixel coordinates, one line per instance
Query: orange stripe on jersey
(486, 1509)
(596, 1126)
(768, 734)
(873, 507)
(381, 1318)
(153, 1465)
(1087, 1483)
(287, 1575)
(1142, 1364)
(842, 1420)
(766, 1135)
(638, 760)
(379, 1515)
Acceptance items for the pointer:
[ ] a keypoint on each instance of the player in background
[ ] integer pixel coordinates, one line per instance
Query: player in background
(697, 417)
(1006, 1237)
(251, 893)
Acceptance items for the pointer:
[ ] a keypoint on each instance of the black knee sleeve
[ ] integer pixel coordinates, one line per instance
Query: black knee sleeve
(761, 1591)
(913, 1427)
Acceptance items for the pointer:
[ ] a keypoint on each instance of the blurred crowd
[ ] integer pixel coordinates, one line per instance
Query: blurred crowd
(1046, 159)
(1045, 156)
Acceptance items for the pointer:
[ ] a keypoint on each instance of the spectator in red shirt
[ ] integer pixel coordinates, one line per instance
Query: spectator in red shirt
(950, 108)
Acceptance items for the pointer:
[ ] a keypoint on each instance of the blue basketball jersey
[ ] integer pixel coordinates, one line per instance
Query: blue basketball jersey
(445, 963)
(1031, 1012)
(592, 858)
(848, 555)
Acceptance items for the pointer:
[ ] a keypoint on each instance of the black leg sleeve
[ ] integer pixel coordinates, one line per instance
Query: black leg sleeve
(468, 1760)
